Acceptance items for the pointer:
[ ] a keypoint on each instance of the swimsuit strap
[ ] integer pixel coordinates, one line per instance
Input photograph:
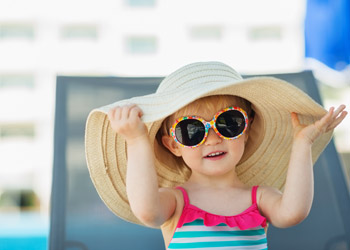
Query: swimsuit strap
(185, 195)
(254, 191)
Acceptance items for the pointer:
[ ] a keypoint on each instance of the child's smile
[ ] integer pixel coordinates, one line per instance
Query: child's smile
(215, 155)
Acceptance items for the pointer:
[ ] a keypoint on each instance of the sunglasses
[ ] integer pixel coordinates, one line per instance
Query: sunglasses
(191, 131)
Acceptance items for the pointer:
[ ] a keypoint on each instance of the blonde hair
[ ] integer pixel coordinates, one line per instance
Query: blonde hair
(209, 102)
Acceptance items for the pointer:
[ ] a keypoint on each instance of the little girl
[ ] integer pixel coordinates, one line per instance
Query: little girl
(190, 157)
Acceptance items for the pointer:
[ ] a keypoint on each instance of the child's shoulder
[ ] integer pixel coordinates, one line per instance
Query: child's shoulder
(176, 193)
(267, 195)
(172, 221)
(171, 190)
(267, 190)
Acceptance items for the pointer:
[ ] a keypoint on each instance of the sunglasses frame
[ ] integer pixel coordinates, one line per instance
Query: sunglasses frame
(208, 125)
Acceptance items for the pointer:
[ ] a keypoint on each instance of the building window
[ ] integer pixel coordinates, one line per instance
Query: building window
(85, 32)
(141, 3)
(141, 45)
(26, 130)
(206, 33)
(16, 31)
(20, 81)
(265, 33)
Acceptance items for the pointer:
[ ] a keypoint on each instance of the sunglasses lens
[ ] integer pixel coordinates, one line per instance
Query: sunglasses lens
(190, 132)
(230, 123)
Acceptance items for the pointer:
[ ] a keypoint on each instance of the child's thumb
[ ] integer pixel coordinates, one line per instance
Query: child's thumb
(295, 119)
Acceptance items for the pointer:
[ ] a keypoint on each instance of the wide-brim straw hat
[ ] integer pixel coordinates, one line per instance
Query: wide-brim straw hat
(267, 151)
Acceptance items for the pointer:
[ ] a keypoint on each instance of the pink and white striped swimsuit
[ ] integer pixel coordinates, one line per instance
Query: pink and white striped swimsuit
(200, 230)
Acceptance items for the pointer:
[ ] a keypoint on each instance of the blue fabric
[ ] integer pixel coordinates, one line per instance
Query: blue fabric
(327, 32)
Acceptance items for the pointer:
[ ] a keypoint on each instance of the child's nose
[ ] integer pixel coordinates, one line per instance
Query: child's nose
(212, 138)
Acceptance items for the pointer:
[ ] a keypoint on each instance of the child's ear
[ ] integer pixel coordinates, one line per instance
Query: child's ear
(171, 144)
(246, 136)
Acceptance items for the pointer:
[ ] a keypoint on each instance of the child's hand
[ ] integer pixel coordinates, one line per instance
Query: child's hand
(328, 122)
(126, 120)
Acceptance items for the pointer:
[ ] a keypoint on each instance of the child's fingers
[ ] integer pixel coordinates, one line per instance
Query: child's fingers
(339, 110)
(133, 111)
(334, 117)
(117, 113)
(295, 120)
(337, 121)
(326, 120)
(111, 113)
(136, 112)
(125, 111)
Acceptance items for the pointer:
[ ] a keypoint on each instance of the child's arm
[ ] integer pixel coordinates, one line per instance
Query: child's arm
(293, 206)
(151, 205)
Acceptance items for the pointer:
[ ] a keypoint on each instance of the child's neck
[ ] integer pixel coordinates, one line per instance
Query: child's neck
(223, 181)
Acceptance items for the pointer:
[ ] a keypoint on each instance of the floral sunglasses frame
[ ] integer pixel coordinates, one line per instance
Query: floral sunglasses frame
(208, 125)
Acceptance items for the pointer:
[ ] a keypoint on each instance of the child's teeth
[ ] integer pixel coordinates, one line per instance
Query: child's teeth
(214, 154)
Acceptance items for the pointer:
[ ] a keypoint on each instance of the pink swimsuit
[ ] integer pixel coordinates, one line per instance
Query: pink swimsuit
(200, 230)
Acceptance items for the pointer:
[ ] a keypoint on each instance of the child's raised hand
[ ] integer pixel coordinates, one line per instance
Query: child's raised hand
(328, 122)
(126, 120)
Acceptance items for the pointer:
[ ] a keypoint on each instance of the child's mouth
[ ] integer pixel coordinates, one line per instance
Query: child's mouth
(215, 155)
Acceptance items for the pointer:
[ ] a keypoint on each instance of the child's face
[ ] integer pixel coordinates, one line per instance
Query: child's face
(216, 156)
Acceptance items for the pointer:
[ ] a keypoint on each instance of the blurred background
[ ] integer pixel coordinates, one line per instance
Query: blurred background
(40, 40)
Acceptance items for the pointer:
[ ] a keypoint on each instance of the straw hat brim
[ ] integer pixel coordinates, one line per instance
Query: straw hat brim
(267, 152)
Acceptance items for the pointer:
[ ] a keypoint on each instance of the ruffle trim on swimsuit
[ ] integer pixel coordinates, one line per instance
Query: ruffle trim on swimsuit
(249, 218)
